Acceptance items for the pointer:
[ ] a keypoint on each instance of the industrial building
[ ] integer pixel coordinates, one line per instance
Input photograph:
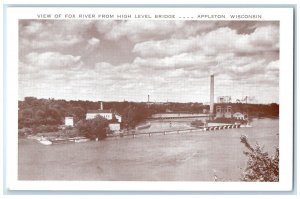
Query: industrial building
(224, 108)
(224, 111)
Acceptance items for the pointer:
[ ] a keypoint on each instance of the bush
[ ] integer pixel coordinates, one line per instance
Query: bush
(93, 128)
(46, 129)
(24, 131)
(260, 166)
(197, 123)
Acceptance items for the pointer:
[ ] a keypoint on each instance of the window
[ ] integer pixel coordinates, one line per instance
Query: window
(228, 109)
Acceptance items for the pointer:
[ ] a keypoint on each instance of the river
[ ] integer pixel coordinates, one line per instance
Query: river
(195, 156)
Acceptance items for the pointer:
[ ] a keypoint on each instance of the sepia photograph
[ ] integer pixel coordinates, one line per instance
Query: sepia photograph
(148, 100)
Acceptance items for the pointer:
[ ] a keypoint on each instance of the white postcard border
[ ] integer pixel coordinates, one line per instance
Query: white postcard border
(285, 15)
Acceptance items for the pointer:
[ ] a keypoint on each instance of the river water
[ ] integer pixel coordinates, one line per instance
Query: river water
(195, 156)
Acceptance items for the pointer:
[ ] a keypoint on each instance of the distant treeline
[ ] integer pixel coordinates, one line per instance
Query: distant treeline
(35, 112)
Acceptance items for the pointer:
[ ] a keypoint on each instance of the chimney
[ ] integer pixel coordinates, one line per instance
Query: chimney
(211, 109)
(148, 98)
(101, 105)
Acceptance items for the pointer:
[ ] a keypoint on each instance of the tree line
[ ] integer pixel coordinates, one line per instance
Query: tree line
(34, 112)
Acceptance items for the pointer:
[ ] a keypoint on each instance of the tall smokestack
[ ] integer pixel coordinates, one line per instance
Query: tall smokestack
(211, 108)
(101, 105)
(148, 98)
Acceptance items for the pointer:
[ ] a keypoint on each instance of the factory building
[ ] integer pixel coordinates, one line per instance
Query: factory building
(229, 111)
(223, 108)
(223, 111)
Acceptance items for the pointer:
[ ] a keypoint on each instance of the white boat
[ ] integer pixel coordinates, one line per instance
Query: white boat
(81, 140)
(45, 141)
(144, 126)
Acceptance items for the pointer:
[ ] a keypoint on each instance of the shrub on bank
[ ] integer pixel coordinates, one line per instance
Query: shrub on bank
(197, 123)
(93, 128)
(260, 165)
(24, 131)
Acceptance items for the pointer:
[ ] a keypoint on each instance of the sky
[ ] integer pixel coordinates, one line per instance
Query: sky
(116, 60)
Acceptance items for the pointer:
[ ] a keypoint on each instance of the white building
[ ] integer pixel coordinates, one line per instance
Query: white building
(107, 114)
(239, 116)
(69, 121)
(114, 126)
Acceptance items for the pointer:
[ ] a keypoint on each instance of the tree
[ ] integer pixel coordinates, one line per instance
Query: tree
(78, 112)
(260, 166)
(93, 128)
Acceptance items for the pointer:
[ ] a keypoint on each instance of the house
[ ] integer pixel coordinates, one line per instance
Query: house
(69, 121)
(114, 126)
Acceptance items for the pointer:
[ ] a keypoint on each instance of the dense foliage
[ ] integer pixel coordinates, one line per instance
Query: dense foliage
(260, 166)
(93, 128)
(35, 112)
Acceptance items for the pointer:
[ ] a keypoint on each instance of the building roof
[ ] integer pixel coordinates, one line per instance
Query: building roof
(238, 113)
(99, 111)
(103, 111)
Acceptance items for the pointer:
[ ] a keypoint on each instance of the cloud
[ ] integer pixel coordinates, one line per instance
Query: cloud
(221, 40)
(165, 47)
(228, 40)
(138, 30)
(93, 41)
(184, 60)
(56, 40)
(53, 60)
(118, 73)
(38, 34)
(33, 27)
(141, 30)
(273, 66)
(265, 37)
